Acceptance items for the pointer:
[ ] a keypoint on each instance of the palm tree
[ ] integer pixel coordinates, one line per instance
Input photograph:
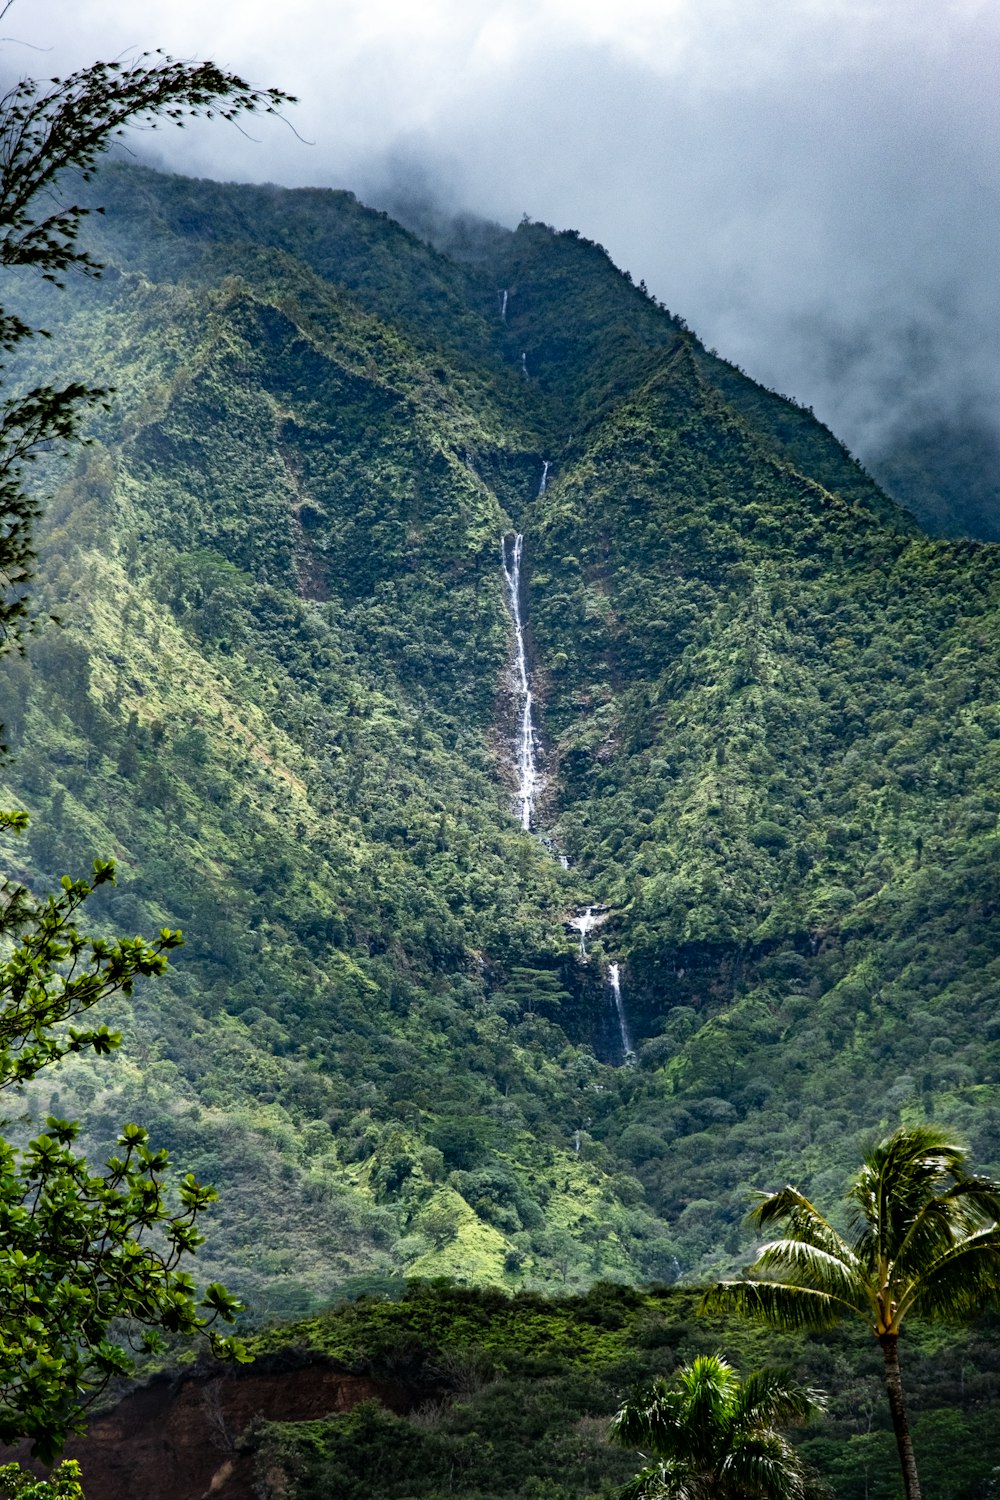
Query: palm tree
(714, 1437)
(924, 1238)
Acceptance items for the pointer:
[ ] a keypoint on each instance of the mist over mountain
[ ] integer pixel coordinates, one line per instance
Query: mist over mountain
(813, 185)
(911, 389)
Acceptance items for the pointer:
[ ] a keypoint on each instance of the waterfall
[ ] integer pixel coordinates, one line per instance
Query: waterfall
(524, 365)
(502, 295)
(527, 773)
(614, 979)
(583, 922)
(545, 476)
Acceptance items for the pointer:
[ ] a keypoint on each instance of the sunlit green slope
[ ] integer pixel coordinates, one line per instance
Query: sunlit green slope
(281, 696)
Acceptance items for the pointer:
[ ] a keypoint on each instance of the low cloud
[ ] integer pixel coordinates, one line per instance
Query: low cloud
(811, 183)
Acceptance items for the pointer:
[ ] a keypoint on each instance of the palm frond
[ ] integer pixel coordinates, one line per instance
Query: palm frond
(804, 1220)
(765, 1466)
(710, 1388)
(769, 1398)
(650, 1420)
(968, 1208)
(686, 1419)
(782, 1303)
(805, 1264)
(898, 1176)
(806, 1224)
(721, 1443)
(978, 1197)
(664, 1481)
(961, 1281)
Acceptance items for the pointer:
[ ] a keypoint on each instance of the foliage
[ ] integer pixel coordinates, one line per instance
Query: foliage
(768, 712)
(926, 1240)
(511, 1395)
(46, 131)
(62, 1484)
(767, 705)
(73, 1268)
(713, 1434)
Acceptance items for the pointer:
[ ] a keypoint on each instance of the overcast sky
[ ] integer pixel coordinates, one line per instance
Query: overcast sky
(811, 183)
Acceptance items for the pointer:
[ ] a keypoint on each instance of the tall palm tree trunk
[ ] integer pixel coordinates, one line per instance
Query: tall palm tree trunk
(894, 1386)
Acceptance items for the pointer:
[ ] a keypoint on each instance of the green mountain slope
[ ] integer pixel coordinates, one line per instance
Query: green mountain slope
(282, 697)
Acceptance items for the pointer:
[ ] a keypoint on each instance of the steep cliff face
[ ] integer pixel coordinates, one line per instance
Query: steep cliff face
(286, 697)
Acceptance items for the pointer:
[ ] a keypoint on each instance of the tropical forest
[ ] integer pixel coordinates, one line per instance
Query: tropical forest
(545, 924)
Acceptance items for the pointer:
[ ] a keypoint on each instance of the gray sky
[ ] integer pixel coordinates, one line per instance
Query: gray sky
(811, 183)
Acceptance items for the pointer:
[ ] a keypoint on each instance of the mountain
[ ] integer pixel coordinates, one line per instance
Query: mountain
(948, 474)
(283, 694)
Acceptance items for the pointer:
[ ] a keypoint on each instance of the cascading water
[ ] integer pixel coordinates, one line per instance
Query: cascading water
(615, 980)
(527, 771)
(583, 922)
(524, 365)
(545, 476)
(528, 777)
(503, 304)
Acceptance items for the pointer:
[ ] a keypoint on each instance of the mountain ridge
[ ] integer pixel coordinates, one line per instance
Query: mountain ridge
(283, 700)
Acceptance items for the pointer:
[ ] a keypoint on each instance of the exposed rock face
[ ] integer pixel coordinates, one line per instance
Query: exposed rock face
(179, 1438)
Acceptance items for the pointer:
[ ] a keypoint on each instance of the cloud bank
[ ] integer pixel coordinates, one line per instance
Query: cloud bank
(811, 183)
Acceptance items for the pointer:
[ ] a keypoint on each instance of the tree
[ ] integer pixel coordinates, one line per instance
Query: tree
(924, 1238)
(72, 1263)
(62, 1484)
(44, 133)
(82, 1253)
(715, 1436)
(440, 1221)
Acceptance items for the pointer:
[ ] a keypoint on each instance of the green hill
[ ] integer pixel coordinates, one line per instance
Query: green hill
(432, 1390)
(282, 697)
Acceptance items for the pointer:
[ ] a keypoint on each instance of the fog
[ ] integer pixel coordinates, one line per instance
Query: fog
(811, 183)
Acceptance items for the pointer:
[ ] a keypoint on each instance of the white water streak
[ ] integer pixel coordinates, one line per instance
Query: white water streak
(545, 476)
(503, 305)
(583, 924)
(527, 772)
(614, 978)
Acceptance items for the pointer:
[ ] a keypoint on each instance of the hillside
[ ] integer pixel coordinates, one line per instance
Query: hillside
(283, 696)
(434, 1390)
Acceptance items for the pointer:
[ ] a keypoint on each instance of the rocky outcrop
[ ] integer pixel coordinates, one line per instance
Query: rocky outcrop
(189, 1436)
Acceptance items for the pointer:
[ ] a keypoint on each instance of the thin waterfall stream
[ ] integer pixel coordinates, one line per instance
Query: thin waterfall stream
(615, 981)
(527, 769)
(529, 775)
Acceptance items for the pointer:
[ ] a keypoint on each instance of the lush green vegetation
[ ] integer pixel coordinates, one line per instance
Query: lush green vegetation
(925, 1240)
(712, 1434)
(82, 1253)
(513, 1396)
(279, 697)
